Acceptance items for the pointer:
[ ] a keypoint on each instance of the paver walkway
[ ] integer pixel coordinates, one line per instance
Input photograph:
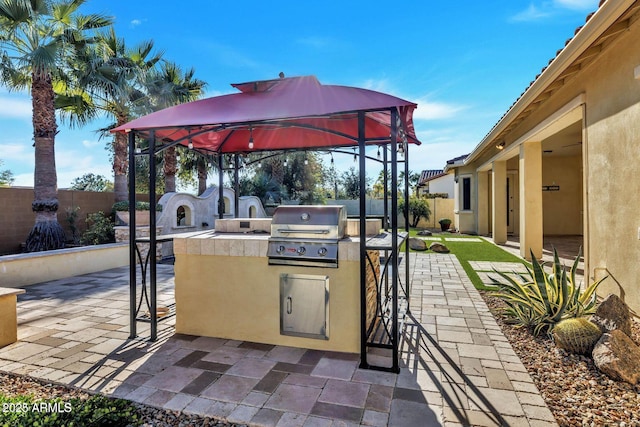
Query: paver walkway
(457, 367)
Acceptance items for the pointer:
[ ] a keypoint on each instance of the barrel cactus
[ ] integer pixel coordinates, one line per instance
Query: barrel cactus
(576, 335)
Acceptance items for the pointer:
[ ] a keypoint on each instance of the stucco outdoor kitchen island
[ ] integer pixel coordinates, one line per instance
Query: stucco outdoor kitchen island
(225, 288)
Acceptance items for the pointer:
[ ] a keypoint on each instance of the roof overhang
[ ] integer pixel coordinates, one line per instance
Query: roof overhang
(562, 66)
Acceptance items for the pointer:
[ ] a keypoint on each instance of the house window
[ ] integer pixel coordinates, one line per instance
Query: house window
(466, 194)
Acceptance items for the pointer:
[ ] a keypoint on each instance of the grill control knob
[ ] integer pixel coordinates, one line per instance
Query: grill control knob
(280, 249)
(302, 250)
(322, 251)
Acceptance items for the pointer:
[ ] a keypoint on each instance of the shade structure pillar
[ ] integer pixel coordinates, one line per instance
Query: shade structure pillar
(531, 209)
(363, 243)
(395, 251)
(220, 188)
(499, 202)
(483, 203)
(236, 186)
(152, 236)
(132, 232)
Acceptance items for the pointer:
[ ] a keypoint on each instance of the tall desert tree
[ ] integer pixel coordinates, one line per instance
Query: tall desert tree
(165, 87)
(111, 76)
(38, 39)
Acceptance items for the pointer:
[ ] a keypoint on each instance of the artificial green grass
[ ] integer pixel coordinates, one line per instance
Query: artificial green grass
(474, 251)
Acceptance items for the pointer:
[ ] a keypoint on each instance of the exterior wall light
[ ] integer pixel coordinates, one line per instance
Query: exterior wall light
(501, 145)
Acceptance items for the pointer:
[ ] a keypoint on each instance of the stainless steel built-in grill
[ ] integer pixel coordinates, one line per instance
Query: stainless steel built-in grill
(306, 235)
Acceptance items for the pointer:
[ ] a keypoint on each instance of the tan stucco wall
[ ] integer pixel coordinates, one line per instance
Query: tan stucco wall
(238, 297)
(613, 152)
(27, 269)
(440, 208)
(562, 210)
(611, 155)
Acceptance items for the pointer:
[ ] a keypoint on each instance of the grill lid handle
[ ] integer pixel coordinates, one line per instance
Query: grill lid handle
(286, 230)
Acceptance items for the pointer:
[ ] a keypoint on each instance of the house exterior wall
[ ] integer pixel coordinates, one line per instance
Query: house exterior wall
(562, 209)
(602, 186)
(465, 219)
(612, 158)
(444, 184)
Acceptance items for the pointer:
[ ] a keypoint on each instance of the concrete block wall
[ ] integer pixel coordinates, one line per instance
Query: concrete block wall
(17, 218)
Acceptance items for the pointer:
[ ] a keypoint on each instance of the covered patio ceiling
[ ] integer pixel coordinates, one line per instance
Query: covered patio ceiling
(280, 114)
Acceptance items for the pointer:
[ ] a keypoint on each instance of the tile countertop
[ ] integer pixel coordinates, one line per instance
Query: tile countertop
(246, 244)
(10, 291)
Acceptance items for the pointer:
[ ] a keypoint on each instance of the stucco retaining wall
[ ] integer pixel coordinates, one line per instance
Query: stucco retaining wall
(28, 269)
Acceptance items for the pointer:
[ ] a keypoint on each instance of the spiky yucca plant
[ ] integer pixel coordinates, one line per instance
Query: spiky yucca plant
(539, 300)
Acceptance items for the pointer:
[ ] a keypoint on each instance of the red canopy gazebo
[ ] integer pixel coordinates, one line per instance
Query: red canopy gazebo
(296, 113)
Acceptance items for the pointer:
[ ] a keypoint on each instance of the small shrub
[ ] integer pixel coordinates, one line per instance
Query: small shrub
(72, 218)
(539, 301)
(99, 230)
(418, 208)
(98, 411)
(123, 206)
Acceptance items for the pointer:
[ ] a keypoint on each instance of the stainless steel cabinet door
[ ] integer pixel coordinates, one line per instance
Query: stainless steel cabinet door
(304, 305)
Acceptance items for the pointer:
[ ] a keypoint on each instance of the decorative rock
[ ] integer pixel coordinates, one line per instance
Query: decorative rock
(618, 356)
(417, 244)
(613, 313)
(424, 233)
(439, 248)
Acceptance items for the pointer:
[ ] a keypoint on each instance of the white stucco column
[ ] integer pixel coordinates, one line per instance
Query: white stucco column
(483, 203)
(531, 199)
(499, 202)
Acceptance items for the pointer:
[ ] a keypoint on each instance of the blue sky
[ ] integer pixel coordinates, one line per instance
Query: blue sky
(464, 63)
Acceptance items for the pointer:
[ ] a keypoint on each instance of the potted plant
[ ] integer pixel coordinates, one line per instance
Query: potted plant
(444, 224)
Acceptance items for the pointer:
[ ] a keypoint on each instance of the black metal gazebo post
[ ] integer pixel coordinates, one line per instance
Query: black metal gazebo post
(132, 235)
(152, 236)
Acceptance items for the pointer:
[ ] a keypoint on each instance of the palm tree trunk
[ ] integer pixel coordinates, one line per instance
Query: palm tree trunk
(169, 169)
(47, 233)
(202, 176)
(120, 162)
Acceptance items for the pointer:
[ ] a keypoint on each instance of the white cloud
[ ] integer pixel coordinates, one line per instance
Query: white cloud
(532, 13)
(136, 22)
(15, 107)
(547, 9)
(16, 153)
(90, 144)
(577, 4)
(436, 110)
(379, 85)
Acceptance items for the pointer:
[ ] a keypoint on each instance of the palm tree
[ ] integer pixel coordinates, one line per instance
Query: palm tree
(164, 88)
(38, 39)
(111, 76)
(191, 161)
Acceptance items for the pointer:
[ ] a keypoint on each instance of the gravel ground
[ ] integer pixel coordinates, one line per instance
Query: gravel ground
(573, 388)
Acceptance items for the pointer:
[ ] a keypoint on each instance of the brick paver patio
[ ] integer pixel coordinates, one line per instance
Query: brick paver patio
(457, 367)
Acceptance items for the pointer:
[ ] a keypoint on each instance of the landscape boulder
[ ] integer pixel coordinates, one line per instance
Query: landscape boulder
(439, 248)
(613, 313)
(417, 244)
(424, 233)
(616, 355)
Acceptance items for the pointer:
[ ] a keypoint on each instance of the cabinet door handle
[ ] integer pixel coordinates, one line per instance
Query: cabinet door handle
(289, 305)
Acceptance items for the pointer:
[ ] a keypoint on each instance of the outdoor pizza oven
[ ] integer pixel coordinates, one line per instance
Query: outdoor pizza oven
(306, 235)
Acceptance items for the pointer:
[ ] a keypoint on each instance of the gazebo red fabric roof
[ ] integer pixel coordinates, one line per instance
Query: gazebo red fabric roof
(280, 114)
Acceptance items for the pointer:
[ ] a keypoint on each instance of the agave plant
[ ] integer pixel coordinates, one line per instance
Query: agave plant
(540, 300)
